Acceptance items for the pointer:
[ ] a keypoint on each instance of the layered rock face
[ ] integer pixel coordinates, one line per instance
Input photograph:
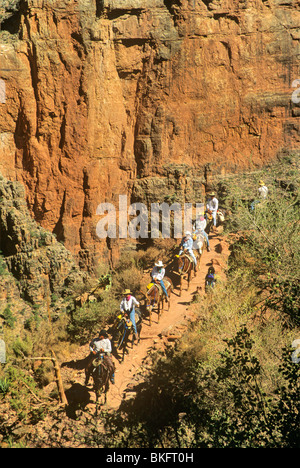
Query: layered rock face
(109, 97)
(31, 255)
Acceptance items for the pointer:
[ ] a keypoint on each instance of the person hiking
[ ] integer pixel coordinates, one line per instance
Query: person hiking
(127, 307)
(101, 345)
(262, 193)
(157, 276)
(210, 279)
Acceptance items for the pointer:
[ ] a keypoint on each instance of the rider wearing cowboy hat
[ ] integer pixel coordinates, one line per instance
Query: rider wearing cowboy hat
(127, 307)
(212, 206)
(158, 274)
(102, 346)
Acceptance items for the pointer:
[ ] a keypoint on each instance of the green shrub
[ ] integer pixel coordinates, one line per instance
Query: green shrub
(268, 246)
(22, 347)
(89, 319)
(4, 386)
(8, 317)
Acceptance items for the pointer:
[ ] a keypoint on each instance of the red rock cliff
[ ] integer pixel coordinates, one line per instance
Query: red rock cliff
(101, 93)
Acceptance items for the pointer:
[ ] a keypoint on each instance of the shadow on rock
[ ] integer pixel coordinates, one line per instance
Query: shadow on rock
(79, 365)
(78, 398)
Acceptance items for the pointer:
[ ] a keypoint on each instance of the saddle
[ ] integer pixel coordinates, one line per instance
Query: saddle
(200, 237)
(189, 257)
(99, 361)
(167, 284)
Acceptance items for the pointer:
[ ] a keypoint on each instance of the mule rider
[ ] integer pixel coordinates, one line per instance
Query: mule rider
(157, 276)
(199, 227)
(127, 307)
(102, 346)
(212, 208)
(186, 245)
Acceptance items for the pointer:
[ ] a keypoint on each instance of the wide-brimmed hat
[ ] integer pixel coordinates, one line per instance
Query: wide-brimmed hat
(211, 194)
(159, 264)
(261, 182)
(187, 233)
(127, 291)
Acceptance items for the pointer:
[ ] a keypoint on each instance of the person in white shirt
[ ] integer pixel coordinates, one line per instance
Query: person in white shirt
(102, 346)
(127, 307)
(157, 276)
(262, 194)
(199, 227)
(262, 190)
(212, 207)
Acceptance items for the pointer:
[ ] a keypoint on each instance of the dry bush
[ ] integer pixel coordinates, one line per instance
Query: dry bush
(130, 278)
(166, 247)
(145, 259)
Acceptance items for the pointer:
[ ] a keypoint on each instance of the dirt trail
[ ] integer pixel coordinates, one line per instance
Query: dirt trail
(152, 335)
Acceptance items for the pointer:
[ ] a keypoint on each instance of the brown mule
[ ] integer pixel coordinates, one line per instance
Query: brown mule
(185, 268)
(155, 297)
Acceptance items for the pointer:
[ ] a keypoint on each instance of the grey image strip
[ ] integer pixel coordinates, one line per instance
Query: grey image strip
(2, 352)
(2, 92)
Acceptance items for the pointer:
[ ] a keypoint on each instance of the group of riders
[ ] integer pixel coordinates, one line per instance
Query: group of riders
(101, 347)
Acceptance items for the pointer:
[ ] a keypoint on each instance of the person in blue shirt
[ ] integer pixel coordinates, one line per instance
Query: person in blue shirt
(210, 279)
(186, 245)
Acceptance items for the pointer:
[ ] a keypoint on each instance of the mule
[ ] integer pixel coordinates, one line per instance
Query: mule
(100, 372)
(220, 218)
(186, 267)
(199, 244)
(155, 297)
(121, 333)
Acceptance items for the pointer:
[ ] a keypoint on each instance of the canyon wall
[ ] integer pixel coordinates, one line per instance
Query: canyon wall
(108, 97)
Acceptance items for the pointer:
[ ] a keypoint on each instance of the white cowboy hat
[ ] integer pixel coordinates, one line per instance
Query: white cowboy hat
(159, 264)
(187, 233)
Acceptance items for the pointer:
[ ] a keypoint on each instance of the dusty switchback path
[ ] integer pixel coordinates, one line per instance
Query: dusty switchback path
(154, 336)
